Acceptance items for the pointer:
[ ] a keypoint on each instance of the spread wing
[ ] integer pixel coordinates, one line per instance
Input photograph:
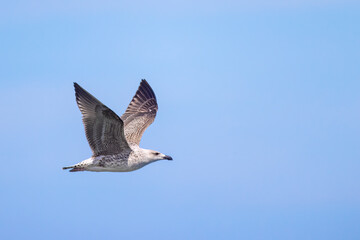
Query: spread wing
(104, 129)
(140, 113)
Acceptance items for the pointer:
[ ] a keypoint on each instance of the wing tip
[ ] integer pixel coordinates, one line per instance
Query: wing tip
(145, 86)
(77, 88)
(78, 91)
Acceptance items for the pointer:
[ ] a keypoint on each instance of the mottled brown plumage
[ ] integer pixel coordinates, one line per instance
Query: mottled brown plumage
(114, 141)
(140, 113)
(104, 129)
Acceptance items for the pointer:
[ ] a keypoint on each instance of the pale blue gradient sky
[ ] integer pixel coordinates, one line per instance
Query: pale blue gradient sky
(259, 106)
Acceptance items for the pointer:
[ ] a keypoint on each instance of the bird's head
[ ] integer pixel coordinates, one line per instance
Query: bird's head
(152, 155)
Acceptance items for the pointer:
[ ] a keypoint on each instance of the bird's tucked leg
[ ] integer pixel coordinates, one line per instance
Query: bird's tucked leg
(77, 169)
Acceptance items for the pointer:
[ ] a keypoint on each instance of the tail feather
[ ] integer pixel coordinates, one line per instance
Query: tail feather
(64, 168)
(73, 168)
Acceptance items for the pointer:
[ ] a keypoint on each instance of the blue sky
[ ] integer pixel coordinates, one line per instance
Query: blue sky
(259, 106)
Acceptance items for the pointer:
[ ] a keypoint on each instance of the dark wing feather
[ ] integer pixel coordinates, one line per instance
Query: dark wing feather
(104, 129)
(140, 113)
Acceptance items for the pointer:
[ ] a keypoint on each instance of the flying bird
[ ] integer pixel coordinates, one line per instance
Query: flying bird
(114, 141)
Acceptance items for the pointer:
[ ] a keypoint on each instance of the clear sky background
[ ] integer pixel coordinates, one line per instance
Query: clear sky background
(259, 106)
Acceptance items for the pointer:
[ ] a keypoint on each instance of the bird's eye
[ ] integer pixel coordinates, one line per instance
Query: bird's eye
(156, 153)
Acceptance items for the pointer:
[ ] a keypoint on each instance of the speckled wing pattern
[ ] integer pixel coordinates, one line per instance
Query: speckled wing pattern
(140, 113)
(104, 129)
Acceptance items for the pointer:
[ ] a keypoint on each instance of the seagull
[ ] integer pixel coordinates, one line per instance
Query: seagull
(115, 141)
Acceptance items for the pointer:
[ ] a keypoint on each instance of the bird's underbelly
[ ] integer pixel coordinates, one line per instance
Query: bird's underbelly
(114, 168)
(108, 169)
(114, 165)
